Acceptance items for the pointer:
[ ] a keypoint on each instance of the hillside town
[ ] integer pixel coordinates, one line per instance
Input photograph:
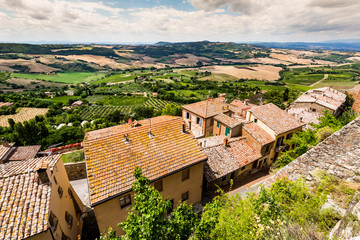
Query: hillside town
(213, 145)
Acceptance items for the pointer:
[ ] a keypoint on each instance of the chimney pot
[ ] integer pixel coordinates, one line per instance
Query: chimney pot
(41, 170)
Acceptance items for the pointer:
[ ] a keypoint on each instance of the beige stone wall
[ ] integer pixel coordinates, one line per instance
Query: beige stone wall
(59, 205)
(76, 170)
(110, 213)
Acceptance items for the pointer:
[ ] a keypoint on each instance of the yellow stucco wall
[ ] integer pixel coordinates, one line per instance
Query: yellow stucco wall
(59, 205)
(110, 213)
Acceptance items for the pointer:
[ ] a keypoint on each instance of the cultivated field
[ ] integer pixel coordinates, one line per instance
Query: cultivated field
(99, 60)
(24, 114)
(267, 73)
(31, 64)
(67, 77)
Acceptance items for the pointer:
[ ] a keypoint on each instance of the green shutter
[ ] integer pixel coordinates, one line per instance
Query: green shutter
(227, 131)
(217, 124)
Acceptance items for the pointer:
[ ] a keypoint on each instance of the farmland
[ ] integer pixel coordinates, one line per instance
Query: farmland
(23, 115)
(93, 112)
(67, 77)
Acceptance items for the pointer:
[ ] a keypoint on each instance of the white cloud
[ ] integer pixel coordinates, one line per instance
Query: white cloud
(261, 20)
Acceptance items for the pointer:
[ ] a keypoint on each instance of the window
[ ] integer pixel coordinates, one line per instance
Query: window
(68, 219)
(217, 124)
(185, 174)
(289, 136)
(60, 191)
(267, 149)
(53, 220)
(230, 115)
(227, 131)
(198, 120)
(187, 115)
(223, 179)
(255, 120)
(70, 193)
(265, 160)
(159, 185)
(55, 180)
(243, 168)
(184, 196)
(211, 122)
(171, 207)
(232, 175)
(125, 201)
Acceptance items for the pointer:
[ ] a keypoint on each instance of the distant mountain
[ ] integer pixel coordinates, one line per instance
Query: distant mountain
(344, 45)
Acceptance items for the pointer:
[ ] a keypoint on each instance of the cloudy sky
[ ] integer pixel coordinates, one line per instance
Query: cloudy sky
(120, 21)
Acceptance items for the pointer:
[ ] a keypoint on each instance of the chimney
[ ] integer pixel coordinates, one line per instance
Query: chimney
(126, 138)
(226, 142)
(151, 136)
(183, 128)
(41, 168)
(5, 142)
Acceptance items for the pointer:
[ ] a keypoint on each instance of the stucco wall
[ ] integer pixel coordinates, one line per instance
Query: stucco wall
(59, 205)
(110, 213)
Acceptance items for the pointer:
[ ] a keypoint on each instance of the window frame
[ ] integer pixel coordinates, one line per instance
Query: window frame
(69, 219)
(125, 198)
(185, 174)
(185, 196)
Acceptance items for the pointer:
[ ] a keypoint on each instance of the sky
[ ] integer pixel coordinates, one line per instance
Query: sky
(150, 21)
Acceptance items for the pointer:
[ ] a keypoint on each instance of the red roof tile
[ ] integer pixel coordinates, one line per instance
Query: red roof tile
(120, 128)
(224, 160)
(229, 121)
(208, 108)
(24, 153)
(111, 161)
(258, 133)
(276, 119)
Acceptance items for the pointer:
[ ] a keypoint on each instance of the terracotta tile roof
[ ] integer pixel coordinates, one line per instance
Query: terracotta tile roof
(24, 201)
(24, 153)
(24, 206)
(275, 118)
(19, 167)
(240, 104)
(305, 115)
(327, 97)
(229, 121)
(208, 108)
(111, 161)
(258, 133)
(224, 160)
(5, 150)
(120, 128)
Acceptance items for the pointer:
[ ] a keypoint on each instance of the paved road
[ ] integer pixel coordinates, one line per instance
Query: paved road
(325, 77)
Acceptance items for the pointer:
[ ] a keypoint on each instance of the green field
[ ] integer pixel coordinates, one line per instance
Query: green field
(75, 156)
(62, 99)
(114, 78)
(67, 77)
(122, 101)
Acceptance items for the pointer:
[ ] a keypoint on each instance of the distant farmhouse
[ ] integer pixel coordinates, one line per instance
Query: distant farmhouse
(165, 150)
(36, 198)
(311, 105)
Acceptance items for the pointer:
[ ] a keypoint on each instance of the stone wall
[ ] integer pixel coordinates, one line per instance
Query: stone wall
(76, 170)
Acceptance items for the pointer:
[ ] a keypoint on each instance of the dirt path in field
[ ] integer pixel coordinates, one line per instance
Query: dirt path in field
(324, 78)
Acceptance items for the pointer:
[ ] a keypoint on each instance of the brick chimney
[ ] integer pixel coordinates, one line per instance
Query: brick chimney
(41, 168)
